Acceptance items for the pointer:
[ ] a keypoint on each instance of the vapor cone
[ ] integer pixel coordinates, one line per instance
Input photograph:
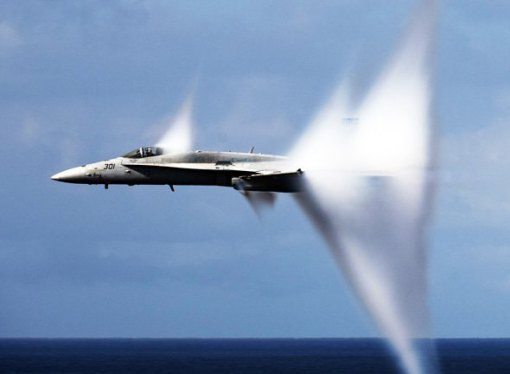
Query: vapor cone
(369, 186)
(179, 136)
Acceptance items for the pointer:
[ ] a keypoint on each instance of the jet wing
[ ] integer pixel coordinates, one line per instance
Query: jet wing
(243, 176)
(241, 169)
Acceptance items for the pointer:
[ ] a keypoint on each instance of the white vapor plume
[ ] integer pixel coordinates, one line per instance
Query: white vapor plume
(369, 184)
(259, 200)
(179, 136)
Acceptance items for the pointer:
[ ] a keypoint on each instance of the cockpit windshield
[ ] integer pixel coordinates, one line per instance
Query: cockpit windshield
(143, 152)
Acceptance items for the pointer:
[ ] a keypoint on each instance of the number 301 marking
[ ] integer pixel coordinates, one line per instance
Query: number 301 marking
(109, 166)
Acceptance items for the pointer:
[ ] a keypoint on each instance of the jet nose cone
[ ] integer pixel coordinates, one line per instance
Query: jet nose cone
(74, 175)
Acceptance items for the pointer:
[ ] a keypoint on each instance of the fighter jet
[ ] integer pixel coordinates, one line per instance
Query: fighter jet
(244, 172)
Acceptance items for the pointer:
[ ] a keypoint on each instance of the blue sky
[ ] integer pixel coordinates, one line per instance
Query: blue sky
(86, 81)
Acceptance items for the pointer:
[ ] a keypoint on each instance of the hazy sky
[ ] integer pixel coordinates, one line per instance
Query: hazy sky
(86, 81)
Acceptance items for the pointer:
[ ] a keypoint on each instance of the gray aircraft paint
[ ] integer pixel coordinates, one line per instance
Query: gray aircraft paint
(243, 171)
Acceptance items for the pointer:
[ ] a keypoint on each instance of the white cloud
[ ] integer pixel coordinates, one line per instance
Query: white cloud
(503, 102)
(171, 255)
(9, 36)
(255, 116)
(478, 30)
(500, 259)
(488, 265)
(31, 130)
(36, 133)
(476, 176)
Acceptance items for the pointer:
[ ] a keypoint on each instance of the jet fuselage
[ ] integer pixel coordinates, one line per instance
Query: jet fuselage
(150, 166)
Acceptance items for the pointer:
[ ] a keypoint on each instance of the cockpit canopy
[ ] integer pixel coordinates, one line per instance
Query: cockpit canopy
(143, 152)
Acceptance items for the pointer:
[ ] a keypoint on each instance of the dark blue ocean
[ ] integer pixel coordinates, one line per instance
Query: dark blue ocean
(244, 356)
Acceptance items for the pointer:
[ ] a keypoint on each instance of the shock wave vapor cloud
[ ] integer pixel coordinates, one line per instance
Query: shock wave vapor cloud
(367, 184)
(367, 168)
